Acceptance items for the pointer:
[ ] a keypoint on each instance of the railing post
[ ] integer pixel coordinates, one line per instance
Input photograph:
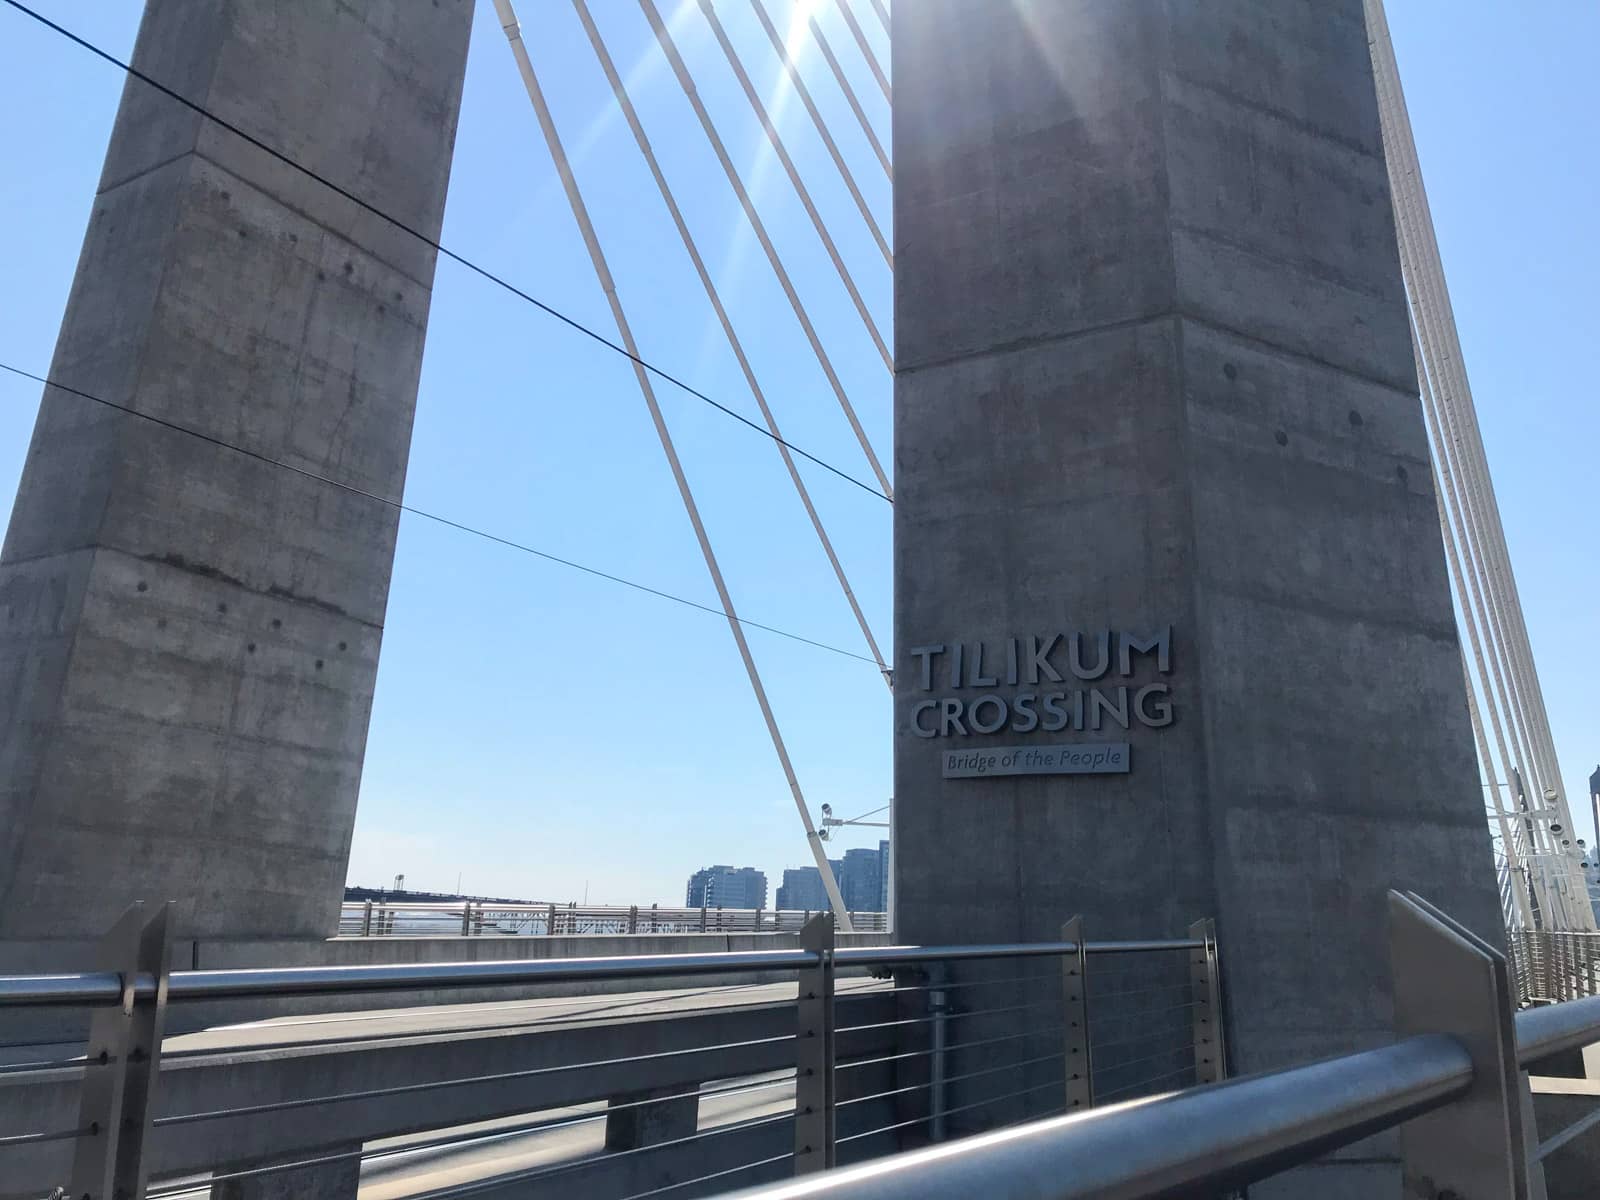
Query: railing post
(702, 918)
(633, 919)
(1447, 980)
(550, 921)
(938, 1037)
(1075, 1018)
(123, 1061)
(1205, 984)
(366, 919)
(813, 1059)
(466, 918)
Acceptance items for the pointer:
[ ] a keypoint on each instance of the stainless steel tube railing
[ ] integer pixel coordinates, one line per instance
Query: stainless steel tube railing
(104, 987)
(1217, 1137)
(1205, 1139)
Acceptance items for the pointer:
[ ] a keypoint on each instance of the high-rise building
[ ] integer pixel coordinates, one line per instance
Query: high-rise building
(861, 879)
(883, 876)
(802, 890)
(722, 886)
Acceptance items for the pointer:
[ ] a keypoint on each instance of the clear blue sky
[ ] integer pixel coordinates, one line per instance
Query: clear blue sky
(542, 733)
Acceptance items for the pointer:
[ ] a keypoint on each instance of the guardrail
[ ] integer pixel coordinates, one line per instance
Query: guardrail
(1450, 1083)
(476, 918)
(849, 1053)
(1553, 967)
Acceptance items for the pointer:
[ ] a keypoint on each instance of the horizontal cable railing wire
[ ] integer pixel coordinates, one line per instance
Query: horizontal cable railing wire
(881, 1055)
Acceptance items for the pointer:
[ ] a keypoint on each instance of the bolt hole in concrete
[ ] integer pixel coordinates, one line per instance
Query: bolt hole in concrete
(1355, 419)
(1281, 438)
(319, 664)
(1403, 473)
(277, 623)
(143, 586)
(344, 646)
(1231, 371)
(250, 649)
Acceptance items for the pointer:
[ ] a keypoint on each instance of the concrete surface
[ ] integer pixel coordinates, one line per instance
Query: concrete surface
(189, 636)
(1153, 367)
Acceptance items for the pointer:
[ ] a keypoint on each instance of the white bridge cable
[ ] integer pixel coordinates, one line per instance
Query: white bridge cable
(866, 48)
(1412, 220)
(1449, 525)
(1425, 280)
(1469, 590)
(664, 39)
(800, 188)
(631, 114)
(804, 93)
(1425, 271)
(883, 14)
(580, 212)
(849, 92)
(1459, 443)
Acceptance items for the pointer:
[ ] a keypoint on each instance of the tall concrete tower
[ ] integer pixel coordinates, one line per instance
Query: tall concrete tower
(1173, 629)
(189, 636)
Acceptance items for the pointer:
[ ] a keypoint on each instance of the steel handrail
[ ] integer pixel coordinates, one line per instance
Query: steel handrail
(1215, 1137)
(105, 987)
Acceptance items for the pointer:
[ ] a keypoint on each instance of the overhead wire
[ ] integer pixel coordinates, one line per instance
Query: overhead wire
(432, 243)
(591, 239)
(630, 113)
(437, 518)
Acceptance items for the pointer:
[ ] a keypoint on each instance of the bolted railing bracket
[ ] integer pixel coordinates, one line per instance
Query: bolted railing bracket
(1205, 985)
(1448, 980)
(123, 1060)
(814, 1052)
(1075, 1018)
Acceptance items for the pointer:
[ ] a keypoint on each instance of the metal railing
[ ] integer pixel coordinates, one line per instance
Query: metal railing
(842, 1054)
(1450, 1083)
(475, 918)
(1554, 967)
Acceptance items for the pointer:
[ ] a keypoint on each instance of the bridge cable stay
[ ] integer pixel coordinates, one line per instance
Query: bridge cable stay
(1451, 533)
(1426, 288)
(440, 249)
(1455, 487)
(1457, 433)
(1425, 279)
(866, 47)
(804, 93)
(630, 113)
(1420, 252)
(580, 211)
(1474, 608)
(800, 188)
(664, 39)
(425, 514)
(883, 14)
(849, 91)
